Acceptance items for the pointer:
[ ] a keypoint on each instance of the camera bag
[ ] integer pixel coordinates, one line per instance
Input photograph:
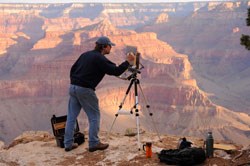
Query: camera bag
(58, 127)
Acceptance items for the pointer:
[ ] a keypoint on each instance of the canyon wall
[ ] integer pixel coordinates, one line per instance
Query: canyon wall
(210, 36)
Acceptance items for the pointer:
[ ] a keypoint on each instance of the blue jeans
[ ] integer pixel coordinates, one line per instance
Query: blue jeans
(82, 98)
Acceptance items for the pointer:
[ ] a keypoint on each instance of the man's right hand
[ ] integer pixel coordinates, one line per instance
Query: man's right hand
(131, 58)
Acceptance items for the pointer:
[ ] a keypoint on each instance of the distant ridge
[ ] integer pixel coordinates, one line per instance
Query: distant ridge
(108, 1)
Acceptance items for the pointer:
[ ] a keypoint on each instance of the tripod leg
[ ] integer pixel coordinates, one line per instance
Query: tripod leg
(112, 125)
(137, 114)
(120, 106)
(150, 113)
(126, 94)
(138, 131)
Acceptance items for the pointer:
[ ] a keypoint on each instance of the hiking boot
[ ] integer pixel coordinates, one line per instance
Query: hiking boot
(74, 146)
(99, 146)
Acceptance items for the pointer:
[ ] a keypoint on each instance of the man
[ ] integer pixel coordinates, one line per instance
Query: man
(85, 74)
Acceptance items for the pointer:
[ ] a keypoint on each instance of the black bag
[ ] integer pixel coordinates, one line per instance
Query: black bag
(185, 144)
(58, 126)
(188, 156)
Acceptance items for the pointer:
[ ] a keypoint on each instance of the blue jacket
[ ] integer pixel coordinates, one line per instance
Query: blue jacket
(91, 67)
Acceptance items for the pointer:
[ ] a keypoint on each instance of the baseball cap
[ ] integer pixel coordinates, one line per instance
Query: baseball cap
(105, 41)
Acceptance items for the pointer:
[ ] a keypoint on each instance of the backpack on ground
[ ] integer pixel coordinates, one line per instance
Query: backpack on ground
(188, 156)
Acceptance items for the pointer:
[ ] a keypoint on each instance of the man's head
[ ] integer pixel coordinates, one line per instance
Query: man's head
(104, 41)
(104, 45)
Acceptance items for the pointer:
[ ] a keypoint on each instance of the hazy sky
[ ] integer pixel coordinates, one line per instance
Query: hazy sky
(101, 1)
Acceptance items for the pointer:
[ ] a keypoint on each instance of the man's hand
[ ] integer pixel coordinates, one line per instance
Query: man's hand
(131, 58)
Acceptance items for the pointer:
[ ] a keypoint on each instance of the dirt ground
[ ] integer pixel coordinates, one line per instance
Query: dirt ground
(167, 142)
(39, 148)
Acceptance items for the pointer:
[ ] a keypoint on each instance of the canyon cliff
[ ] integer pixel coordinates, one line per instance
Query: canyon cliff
(210, 36)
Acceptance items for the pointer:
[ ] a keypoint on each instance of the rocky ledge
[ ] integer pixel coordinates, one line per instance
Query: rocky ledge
(39, 148)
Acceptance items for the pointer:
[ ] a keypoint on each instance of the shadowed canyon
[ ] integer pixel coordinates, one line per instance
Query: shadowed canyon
(195, 77)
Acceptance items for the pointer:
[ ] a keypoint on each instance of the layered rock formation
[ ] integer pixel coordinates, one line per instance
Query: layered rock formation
(35, 77)
(210, 36)
(162, 18)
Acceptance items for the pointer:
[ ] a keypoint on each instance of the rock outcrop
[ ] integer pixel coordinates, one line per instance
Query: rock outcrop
(162, 18)
(39, 148)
